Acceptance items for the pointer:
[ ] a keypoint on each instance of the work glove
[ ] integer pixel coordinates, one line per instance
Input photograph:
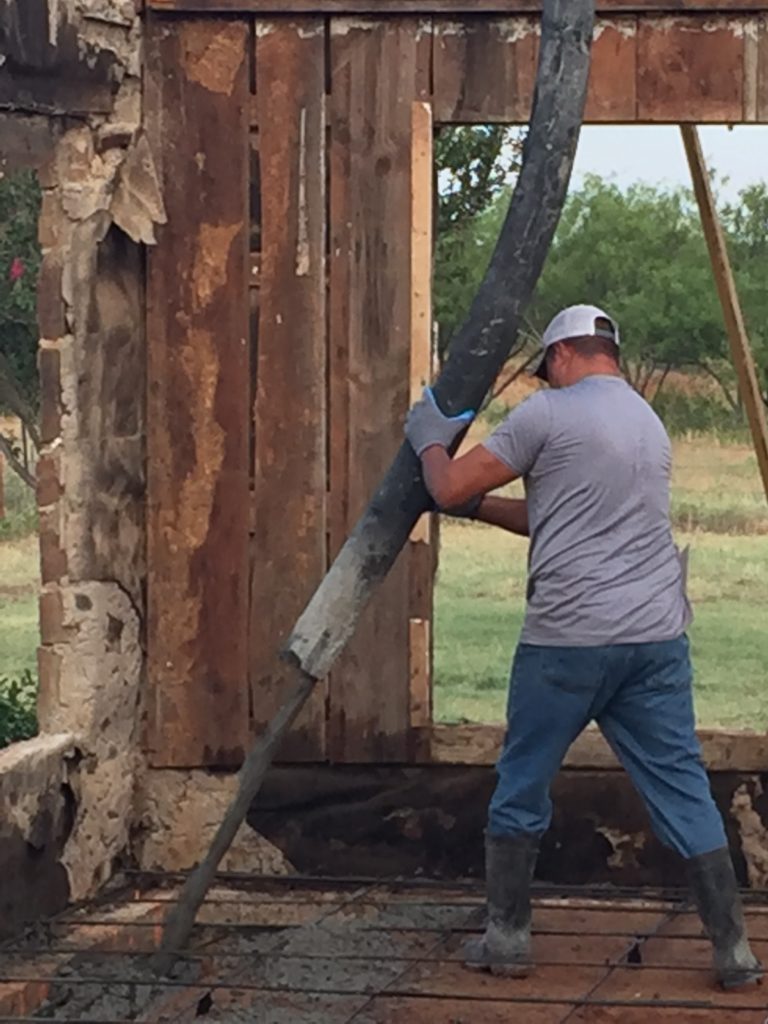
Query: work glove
(426, 425)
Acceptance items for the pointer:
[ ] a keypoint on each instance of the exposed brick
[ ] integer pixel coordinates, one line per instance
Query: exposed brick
(48, 484)
(52, 630)
(53, 559)
(49, 363)
(50, 228)
(49, 670)
(50, 303)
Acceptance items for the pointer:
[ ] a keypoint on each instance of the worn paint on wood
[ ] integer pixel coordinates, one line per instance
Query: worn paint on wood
(690, 69)
(485, 69)
(612, 92)
(197, 433)
(289, 557)
(377, 71)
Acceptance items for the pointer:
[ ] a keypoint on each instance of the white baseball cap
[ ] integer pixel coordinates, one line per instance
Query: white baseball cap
(573, 323)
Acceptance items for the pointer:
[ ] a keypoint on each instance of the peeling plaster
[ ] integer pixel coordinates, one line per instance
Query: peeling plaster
(753, 833)
(177, 815)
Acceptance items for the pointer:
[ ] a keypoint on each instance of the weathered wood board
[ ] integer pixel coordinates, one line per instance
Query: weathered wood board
(377, 70)
(690, 67)
(197, 434)
(289, 557)
(485, 69)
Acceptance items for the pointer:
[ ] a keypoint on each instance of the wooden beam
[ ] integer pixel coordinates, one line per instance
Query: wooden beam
(378, 69)
(420, 547)
(422, 159)
(447, 7)
(197, 400)
(421, 690)
(743, 360)
(289, 556)
(481, 744)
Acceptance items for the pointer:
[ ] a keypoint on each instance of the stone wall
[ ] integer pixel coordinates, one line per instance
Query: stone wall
(70, 106)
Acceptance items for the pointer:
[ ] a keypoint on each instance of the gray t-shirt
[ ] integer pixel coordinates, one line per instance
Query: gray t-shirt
(603, 568)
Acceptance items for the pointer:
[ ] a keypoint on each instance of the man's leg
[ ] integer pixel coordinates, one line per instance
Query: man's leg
(550, 699)
(650, 724)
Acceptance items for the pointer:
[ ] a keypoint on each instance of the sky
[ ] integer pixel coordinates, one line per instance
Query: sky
(655, 154)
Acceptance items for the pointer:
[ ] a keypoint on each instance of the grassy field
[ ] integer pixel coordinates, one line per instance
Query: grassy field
(719, 509)
(18, 606)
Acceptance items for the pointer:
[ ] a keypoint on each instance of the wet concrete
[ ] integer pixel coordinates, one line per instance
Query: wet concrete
(271, 953)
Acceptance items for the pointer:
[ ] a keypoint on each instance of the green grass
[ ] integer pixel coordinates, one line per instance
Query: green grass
(479, 600)
(18, 606)
(481, 583)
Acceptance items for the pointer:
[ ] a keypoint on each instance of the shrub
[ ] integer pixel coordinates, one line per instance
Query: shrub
(18, 708)
(690, 414)
(20, 509)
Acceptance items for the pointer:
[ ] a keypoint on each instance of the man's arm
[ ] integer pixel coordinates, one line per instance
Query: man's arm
(452, 482)
(508, 513)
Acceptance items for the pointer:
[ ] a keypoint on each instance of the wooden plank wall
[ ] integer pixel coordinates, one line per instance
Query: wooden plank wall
(197, 97)
(290, 409)
(377, 69)
(310, 413)
(654, 70)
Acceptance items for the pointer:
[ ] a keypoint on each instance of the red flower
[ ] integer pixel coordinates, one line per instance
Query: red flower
(17, 269)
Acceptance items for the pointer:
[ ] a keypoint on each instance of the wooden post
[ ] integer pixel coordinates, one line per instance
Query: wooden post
(421, 561)
(741, 352)
(2, 486)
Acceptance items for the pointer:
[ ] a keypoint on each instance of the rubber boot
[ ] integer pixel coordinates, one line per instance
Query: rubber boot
(716, 894)
(505, 948)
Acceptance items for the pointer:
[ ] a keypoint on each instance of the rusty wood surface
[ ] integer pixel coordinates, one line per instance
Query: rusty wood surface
(485, 69)
(645, 69)
(197, 435)
(447, 7)
(481, 744)
(761, 69)
(612, 91)
(741, 351)
(289, 557)
(690, 69)
(377, 72)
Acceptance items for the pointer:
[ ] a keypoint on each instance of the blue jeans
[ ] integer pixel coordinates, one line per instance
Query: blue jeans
(640, 695)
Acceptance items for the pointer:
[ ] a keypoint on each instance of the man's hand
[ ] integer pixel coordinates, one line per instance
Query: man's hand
(426, 425)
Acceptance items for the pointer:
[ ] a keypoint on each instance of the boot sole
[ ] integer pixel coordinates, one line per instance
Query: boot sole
(745, 978)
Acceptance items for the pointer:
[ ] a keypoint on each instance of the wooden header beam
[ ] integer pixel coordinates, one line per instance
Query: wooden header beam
(448, 7)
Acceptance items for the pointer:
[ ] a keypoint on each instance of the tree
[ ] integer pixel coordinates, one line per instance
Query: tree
(473, 166)
(640, 253)
(19, 267)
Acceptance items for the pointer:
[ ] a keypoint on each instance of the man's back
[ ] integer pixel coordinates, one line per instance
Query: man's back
(603, 566)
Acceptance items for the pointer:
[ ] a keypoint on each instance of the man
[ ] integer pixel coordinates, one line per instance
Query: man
(604, 636)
